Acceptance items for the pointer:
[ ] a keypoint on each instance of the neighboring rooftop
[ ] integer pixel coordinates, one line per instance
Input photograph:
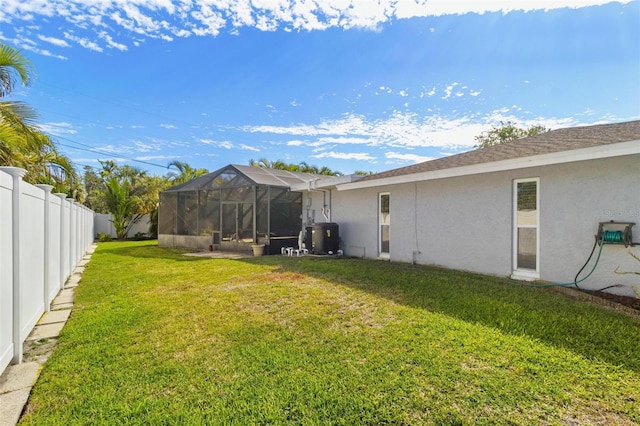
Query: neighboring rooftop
(545, 143)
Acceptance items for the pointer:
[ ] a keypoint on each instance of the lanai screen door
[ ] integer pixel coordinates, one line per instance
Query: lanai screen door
(237, 223)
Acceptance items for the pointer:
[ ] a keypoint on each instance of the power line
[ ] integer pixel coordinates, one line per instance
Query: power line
(97, 151)
(116, 104)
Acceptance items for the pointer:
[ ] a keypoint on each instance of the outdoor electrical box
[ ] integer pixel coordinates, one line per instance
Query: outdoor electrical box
(322, 238)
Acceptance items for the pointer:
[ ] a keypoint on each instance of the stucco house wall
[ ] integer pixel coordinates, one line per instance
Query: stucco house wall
(467, 222)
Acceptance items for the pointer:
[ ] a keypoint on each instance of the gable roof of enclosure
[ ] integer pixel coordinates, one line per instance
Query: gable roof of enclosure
(246, 175)
(554, 147)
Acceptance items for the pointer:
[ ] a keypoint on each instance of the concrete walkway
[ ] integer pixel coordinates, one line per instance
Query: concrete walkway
(17, 380)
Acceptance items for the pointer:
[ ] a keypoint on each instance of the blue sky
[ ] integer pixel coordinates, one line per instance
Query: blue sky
(352, 85)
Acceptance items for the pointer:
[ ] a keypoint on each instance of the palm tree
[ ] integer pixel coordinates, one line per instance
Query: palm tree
(15, 117)
(22, 144)
(13, 65)
(121, 205)
(292, 167)
(185, 172)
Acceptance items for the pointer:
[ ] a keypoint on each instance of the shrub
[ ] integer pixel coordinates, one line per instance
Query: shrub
(140, 236)
(102, 237)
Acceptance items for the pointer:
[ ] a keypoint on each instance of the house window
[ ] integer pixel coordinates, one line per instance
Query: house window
(384, 222)
(526, 197)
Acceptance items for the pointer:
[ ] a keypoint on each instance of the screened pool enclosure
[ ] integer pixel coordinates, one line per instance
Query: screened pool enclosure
(233, 208)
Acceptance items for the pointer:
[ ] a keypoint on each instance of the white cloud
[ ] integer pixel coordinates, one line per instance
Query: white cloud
(112, 149)
(143, 147)
(413, 158)
(449, 90)
(448, 7)
(228, 145)
(248, 148)
(84, 42)
(165, 19)
(60, 128)
(110, 43)
(358, 156)
(167, 126)
(405, 130)
(30, 45)
(55, 41)
(155, 157)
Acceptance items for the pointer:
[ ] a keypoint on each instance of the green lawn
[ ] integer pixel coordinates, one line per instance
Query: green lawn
(159, 338)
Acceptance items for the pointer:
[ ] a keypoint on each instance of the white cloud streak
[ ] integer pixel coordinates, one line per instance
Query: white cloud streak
(358, 156)
(55, 41)
(165, 19)
(404, 130)
(60, 128)
(412, 158)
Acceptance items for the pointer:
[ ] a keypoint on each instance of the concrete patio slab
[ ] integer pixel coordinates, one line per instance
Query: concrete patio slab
(220, 254)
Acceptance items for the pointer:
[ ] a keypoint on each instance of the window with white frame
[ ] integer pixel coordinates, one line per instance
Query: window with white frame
(526, 216)
(384, 224)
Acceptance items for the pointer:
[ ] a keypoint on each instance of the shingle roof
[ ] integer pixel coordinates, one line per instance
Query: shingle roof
(545, 143)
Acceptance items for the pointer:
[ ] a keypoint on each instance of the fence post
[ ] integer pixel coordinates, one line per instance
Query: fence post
(63, 224)
(72, 238)
(47, 224)
(16, 173)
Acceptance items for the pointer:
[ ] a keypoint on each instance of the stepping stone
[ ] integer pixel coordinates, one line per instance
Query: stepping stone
(73, 280)
(15, 387)
(53, 317)
(57, 307)
(11, 406)
(46, 331)
(65, 296)
(19, 376)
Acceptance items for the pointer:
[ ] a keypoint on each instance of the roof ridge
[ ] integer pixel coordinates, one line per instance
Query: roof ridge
(559, 140)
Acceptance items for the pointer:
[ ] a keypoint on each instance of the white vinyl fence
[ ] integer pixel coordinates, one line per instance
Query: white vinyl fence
(104, 225)
(43, 236)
